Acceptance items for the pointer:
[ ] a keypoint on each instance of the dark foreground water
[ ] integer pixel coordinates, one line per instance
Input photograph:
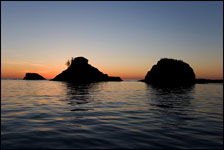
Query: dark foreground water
(51, 114)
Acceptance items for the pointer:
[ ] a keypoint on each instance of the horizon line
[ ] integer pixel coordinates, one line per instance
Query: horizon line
(122, 78)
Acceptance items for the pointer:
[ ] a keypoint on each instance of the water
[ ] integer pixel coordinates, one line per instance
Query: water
(56, 115)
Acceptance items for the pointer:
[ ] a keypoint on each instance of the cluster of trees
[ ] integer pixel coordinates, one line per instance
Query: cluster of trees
(69, 62)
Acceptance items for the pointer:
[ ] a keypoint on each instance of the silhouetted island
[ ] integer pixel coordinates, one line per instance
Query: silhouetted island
(80, 71)
(33, 76)
(170, 72)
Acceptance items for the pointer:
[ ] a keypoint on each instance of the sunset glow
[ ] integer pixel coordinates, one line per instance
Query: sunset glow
(122, 39)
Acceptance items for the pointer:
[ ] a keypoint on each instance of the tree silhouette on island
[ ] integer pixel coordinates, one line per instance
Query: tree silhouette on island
(167, 71)
(80, 71)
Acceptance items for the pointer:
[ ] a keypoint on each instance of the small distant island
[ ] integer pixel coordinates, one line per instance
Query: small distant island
(207, 81)
(33, 76)
(80, 71)
(169, 71)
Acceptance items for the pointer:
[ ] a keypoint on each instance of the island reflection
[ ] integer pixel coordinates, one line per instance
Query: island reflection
(78, 95)
(171, 104)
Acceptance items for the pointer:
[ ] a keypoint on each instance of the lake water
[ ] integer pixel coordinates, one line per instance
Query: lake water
(128, 114)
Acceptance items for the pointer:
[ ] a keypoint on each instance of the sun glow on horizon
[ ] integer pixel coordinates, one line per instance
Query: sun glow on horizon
(18, 71)
(122, 39)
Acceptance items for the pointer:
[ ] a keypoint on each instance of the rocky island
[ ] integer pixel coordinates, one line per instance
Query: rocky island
(80, 71)
(33, 76)
(170, 72)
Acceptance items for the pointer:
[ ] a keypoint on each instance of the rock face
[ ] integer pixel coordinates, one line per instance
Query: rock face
(170, 71)
(81, 71)
(33, 76)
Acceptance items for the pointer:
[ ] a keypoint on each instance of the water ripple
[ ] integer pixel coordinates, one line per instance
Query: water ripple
(59, 115)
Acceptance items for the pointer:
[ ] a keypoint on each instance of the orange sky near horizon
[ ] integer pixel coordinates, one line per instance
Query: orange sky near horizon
(11, 70)
(122, 39)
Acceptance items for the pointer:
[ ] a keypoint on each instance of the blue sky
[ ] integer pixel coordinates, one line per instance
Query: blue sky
(119, 38)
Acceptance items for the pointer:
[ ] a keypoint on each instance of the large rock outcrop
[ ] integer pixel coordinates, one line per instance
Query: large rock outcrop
(33, 76)
(81, 71)
(171, 72)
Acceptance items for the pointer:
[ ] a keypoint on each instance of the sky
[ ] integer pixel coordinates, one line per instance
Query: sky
(119, 38)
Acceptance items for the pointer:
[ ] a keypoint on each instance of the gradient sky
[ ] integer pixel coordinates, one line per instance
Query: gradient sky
(119, 38)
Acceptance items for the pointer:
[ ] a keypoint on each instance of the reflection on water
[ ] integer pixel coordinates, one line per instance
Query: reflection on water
(47, 114)
(78, 94)
(176, 97)
(172, 103)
